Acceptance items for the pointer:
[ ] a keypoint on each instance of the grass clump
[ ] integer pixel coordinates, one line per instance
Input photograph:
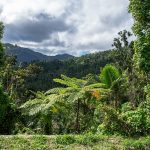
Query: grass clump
(65, 139)
(73, 142)
(86, 139)
(137, 144)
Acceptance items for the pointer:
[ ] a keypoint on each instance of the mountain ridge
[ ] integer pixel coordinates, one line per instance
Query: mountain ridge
(28, 55)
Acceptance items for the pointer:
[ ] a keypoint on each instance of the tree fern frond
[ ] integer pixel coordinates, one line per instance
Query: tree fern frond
(76, 96)
(31, 103)
(60, 90)
(71, 82)
(35, 110)
(96, 85)
(55, 91)
(74, 80)
(40, 94)
(100, 90)
(37, 105)
(79, 82)
(67, 83)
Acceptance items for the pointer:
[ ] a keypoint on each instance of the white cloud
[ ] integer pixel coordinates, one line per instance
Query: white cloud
(14, 10)
(89, 25)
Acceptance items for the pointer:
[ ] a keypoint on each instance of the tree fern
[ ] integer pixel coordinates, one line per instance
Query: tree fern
(74, 93)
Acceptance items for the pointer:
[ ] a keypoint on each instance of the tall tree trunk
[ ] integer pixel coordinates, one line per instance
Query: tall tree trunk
(77, 117)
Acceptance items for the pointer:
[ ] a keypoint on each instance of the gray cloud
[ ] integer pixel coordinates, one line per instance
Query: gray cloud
(37, 29)
(110, 22)
(69, 26)
(1, 9)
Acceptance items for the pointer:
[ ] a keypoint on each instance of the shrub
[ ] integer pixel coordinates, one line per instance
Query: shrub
(128, 121)
(65, 139)
(6, 113)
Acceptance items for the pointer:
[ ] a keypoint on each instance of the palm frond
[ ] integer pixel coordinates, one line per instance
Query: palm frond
(109, 74)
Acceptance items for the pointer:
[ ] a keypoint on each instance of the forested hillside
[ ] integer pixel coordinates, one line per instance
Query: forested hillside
(23, 54)
(76, 67)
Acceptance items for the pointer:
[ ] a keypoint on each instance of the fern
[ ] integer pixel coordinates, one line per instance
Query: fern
(96, 85)
(41, 104)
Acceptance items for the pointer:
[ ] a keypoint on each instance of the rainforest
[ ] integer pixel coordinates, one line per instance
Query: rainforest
(97, 101)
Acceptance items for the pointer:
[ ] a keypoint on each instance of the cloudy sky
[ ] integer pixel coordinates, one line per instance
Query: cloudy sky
(64, 26)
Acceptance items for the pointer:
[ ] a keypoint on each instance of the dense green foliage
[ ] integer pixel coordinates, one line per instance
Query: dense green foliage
(140, 10)
(99, 102)
(123, 53)
(105, 93)
(127, 121)
(77, 67)
(76, 98)
(7, 109)
(7, 113)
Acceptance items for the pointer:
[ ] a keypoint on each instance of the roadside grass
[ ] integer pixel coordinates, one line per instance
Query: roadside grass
(73, 142)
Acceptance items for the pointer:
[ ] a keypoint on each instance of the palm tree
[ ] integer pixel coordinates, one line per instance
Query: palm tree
(109, 74)
(114, 81)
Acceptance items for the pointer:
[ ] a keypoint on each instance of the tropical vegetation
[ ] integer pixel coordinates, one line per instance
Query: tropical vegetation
(90, 99)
